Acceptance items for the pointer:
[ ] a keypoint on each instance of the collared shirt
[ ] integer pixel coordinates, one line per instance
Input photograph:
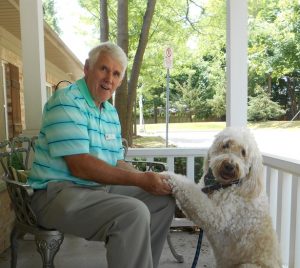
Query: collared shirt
(73, 124)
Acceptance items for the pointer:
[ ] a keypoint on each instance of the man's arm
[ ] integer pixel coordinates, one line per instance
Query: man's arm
(85, 166)
(127, 166)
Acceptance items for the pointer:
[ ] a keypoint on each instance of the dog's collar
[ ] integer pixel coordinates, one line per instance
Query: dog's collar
(211, 184)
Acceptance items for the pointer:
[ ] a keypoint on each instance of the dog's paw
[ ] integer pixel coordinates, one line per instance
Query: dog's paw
(175, 180)
(169, 178)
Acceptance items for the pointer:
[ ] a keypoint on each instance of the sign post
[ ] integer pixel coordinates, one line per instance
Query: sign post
(168, 63)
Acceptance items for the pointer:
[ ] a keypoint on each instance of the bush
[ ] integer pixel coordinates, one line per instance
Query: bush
(262, 108)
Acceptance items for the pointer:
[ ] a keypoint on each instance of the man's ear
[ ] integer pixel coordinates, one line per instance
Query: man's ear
(86, 67)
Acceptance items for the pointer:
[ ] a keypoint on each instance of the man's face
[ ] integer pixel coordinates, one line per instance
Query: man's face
(103, 77)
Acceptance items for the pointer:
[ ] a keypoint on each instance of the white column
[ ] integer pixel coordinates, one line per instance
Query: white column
(33, 53)
(236, 62)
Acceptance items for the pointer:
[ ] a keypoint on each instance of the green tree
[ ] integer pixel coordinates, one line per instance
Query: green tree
(274, 51)
(50, 15)
(146, 28)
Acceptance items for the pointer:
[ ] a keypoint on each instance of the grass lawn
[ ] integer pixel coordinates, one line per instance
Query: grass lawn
(148, 142)
(219, 125)
(158, 142)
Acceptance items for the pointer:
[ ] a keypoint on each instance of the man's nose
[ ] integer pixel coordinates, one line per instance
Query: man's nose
(109, 77)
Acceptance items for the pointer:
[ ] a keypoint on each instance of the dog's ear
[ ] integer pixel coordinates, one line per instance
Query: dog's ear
(206, 163)
(253, 184)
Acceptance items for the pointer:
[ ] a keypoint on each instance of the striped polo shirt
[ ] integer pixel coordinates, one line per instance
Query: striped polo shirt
(73, 124)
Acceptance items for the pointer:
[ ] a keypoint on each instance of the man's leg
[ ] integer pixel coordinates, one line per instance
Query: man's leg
(162, 210)
(121, 221)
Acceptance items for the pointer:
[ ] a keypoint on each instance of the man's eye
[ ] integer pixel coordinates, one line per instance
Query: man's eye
(117, 74)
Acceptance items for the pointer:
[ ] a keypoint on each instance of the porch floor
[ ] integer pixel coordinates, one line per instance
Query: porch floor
(79, 253)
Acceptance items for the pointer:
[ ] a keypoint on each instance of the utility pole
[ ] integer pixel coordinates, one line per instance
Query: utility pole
(168, 63)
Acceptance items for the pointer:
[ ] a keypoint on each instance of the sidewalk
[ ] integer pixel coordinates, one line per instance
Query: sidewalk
(79, 253)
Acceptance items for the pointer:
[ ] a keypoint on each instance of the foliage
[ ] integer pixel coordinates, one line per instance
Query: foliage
(193, 92)
(274, 51)
(262, 108)
(50, 15)
(196, 30)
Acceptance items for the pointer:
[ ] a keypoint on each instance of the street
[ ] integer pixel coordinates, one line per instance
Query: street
(280, 142)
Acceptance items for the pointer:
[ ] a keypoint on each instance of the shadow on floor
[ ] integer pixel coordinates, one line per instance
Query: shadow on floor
(79, 253)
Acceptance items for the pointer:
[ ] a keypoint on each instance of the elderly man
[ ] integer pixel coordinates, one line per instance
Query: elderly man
(83, 186)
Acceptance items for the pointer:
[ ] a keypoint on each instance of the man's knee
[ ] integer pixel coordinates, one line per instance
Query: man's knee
(138, 211)
(166, 202)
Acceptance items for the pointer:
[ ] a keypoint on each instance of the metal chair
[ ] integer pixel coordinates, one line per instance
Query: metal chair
(14, 158)
(20, 152)
(5, 147)
(47, 241)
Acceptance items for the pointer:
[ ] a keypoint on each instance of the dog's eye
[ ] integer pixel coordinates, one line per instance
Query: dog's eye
(226, 145)
(243, 152)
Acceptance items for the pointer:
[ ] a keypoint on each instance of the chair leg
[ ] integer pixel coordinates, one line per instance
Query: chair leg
(14, 247)
(177, 256)
(48, 245)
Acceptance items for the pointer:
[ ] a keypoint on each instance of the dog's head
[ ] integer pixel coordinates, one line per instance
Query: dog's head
(234, 155)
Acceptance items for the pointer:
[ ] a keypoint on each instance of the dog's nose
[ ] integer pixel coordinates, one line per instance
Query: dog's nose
(228, 167)
(228, 171)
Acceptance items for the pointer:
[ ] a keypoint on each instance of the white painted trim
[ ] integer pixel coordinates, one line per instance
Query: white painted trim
(33, 56)
(4, 99)
(236, 62)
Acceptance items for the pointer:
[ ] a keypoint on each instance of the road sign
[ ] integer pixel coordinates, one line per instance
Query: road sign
(168, 59)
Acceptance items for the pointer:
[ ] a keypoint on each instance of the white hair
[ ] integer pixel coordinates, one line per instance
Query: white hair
(113, 50)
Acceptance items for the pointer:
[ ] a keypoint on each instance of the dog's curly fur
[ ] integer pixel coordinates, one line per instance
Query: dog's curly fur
(235, 219)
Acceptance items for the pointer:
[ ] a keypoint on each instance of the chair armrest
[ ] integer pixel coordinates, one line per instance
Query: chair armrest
(18, 184)
(148, 165)
(20, 194)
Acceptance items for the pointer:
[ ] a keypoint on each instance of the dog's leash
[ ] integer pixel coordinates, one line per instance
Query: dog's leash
(197, 253)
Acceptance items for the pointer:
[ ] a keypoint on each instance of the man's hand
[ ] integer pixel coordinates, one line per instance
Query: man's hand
(155, 183)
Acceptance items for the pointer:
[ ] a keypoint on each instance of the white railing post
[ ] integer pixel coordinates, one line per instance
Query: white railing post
(294, 260)
(273, 196)
(170, 163)
(190, 168)
(285, 187)
(279, 182)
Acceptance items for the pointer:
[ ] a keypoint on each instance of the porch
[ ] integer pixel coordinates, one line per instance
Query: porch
(282, 175)
(78, 253)
(282, 183)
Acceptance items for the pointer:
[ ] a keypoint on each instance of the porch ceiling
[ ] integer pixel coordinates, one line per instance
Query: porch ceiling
(56, 51)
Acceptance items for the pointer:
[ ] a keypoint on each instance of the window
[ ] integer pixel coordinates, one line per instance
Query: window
(49, 90)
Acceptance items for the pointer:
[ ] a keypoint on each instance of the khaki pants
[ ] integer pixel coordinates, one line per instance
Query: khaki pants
(133, 223)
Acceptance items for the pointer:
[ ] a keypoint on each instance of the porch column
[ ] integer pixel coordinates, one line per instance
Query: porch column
(236, 62)
(33, 53)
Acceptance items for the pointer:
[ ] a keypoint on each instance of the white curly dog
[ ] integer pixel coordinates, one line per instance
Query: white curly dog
(230, 203)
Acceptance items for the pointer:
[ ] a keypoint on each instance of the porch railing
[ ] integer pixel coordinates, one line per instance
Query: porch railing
(282, 183)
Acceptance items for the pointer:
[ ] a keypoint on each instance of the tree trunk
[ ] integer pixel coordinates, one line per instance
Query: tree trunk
(104, 24)
(291, 97)
(270, 84)
(155, 112)
(138, 59)
(122, 91)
